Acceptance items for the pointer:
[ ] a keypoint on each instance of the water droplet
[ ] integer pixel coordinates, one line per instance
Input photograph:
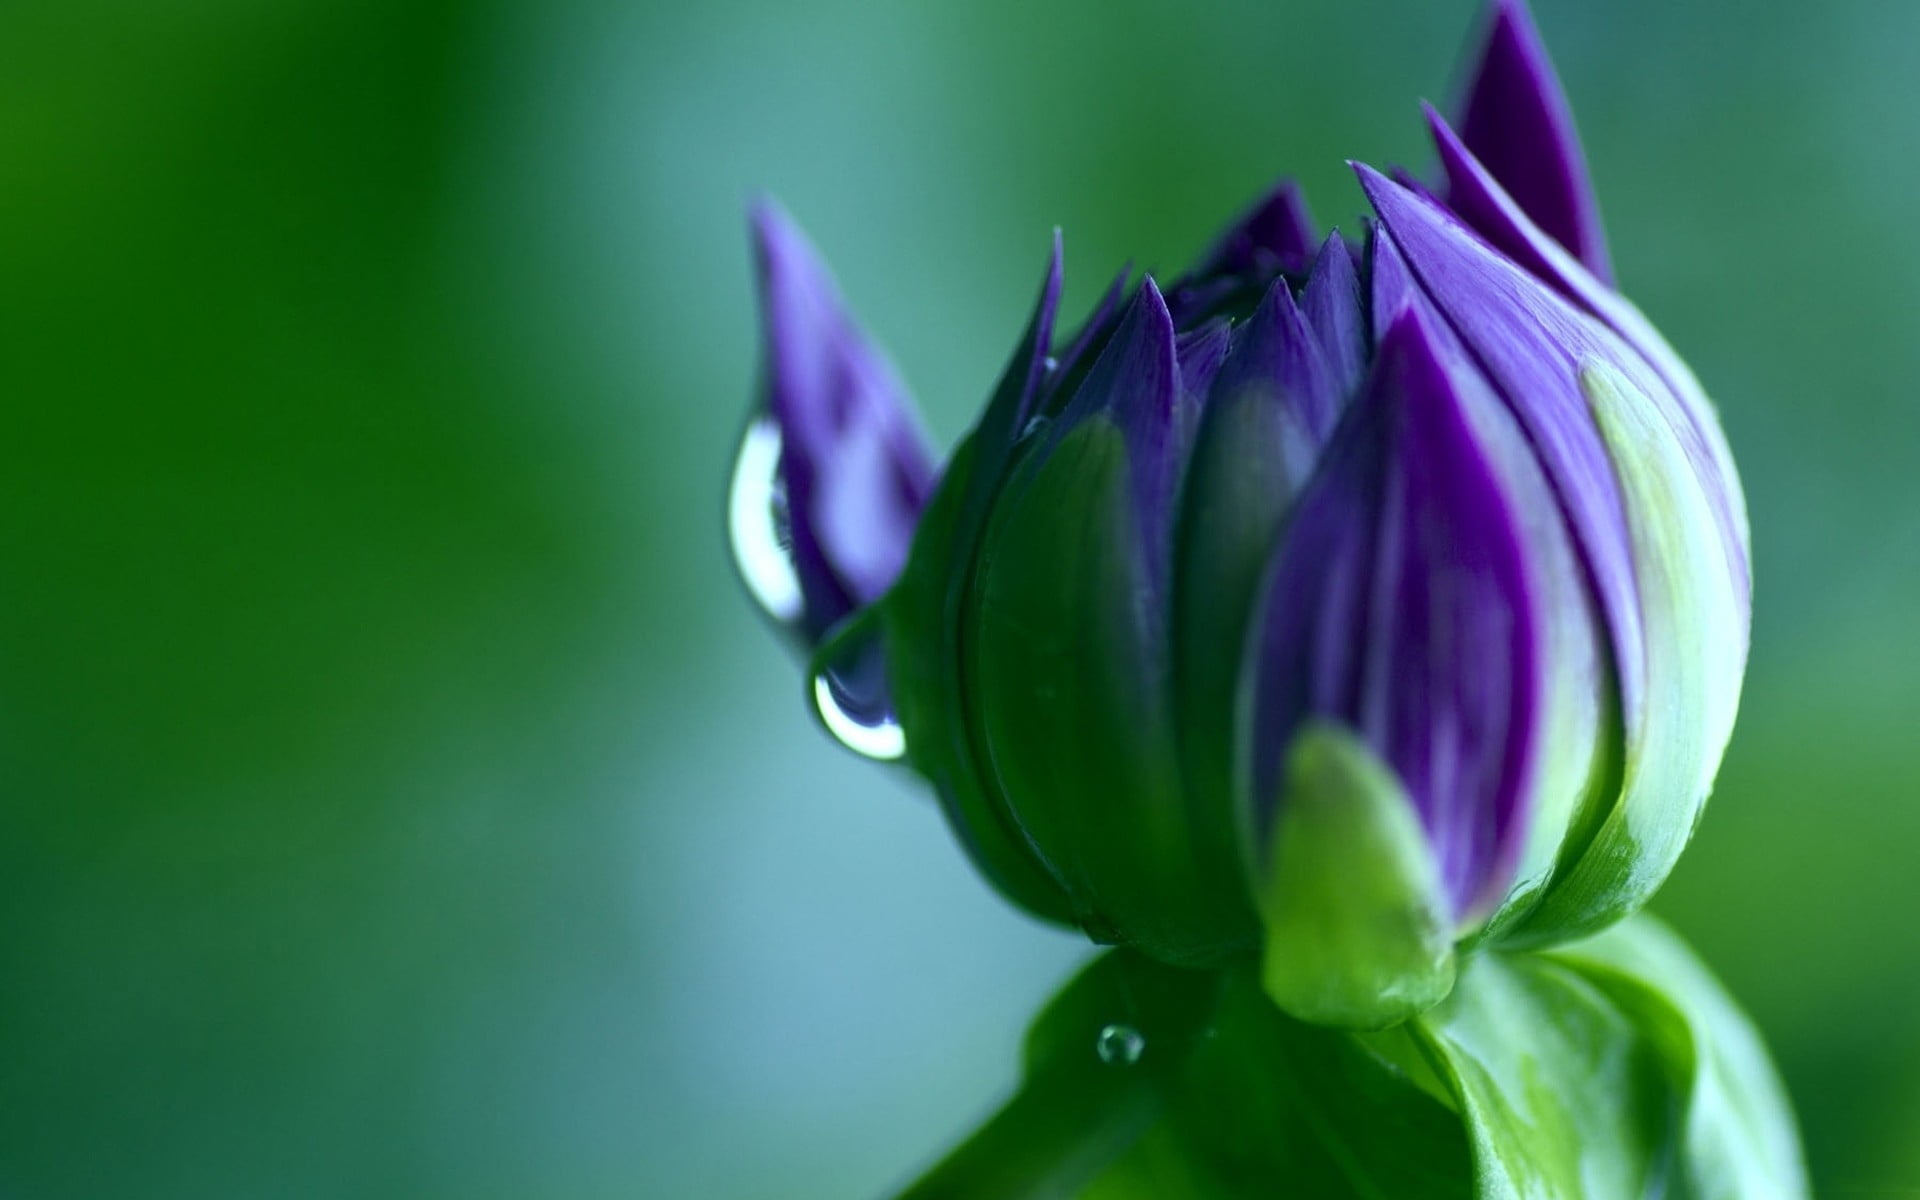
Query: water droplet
(1119, 1045)
(757, 523)
(871, 734)
(1052, 364)
(1034, 426)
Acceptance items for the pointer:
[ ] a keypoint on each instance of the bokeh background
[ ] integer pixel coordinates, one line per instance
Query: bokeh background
(400, 797)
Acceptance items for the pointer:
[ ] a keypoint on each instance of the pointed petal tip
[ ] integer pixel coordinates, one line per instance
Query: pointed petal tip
(1457, 163)
(1512, 19)
(1275, 231)
(1055, 277)
(1408, 349)
(1138, 366)
(1384, 193)
(847, 451)
(1514, 118)
(1406, 335)
(1509, 38)
(1038, 342)
(1506, 11)
(1151, 307)
(1369, 177)
(784, 255)
(1282, 217)
(1476, 197)
(770, 225)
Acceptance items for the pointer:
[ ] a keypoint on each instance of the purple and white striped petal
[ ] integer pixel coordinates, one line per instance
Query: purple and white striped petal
(1401, 604)
(1529, 342)
(1501, 221)
(1677, 642)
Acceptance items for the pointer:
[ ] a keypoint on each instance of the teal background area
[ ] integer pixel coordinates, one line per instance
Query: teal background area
(401, 798)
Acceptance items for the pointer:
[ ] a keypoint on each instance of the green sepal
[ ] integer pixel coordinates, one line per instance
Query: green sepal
(1069, 654)
(921, 618)
(1234, 501)
(1359, 934)
(927, 636)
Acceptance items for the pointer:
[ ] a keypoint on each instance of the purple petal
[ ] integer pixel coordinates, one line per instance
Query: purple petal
(1066, 369)
(1278, 359)
(1394, 291)
(1135, 384)
(1530, 343)
(1332, 303)
(1020, 393)
(1201, 351)
(854, 467)
(1516, 120)
(1276, 234)
(1477, 198)
(1496, 217)
(1400, 604)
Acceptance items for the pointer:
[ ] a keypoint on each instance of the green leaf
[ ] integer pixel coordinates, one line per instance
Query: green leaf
(1234, 499)
(1616, 1069)
(1740, 1138)
(1228, 1097)
(1359, 933)
(1564, 1098)
(1078, 1111)
(1272, 1106)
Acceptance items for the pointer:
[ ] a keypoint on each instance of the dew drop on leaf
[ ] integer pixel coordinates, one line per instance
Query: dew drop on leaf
(1119, 1045)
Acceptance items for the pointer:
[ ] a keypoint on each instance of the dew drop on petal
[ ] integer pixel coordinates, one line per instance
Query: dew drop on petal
(757, 523)
(874, 735)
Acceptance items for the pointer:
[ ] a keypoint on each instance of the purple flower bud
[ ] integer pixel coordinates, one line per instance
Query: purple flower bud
(832, 473)
(1339, 603)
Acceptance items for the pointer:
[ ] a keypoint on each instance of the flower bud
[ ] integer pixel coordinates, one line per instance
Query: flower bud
(1340, 603)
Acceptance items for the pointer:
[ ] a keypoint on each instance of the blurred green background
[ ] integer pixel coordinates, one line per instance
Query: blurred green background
(401, 799)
